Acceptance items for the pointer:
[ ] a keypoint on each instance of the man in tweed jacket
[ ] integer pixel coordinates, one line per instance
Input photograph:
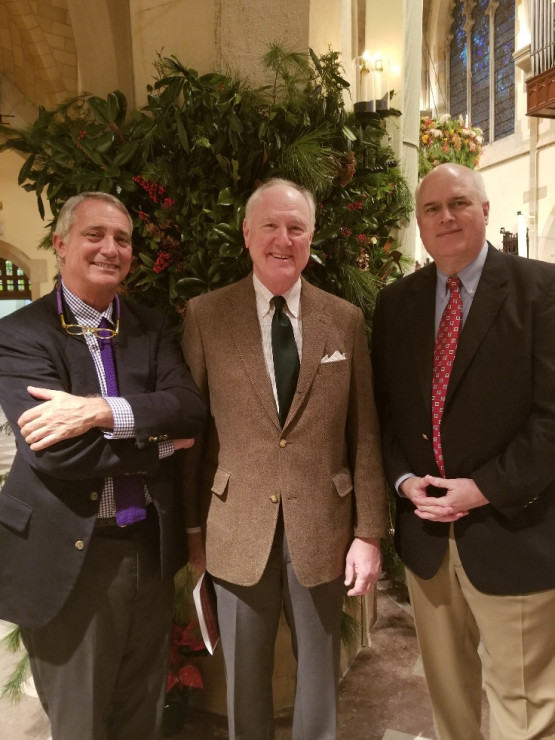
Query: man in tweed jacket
(289, 514)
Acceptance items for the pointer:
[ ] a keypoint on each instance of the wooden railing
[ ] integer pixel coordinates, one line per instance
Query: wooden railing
(540, 88)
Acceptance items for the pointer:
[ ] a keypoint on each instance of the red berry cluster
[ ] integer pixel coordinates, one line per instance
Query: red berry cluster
(163, 260)
(155, 190)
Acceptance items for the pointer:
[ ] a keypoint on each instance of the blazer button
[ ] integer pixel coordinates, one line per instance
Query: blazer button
(79, 545)
(274, 499)
(425, 436)
(93, 496)
(283, 443)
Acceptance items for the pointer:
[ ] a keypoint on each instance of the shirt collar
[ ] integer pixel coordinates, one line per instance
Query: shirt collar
(264, 296)
(85, 314)
(469, 275)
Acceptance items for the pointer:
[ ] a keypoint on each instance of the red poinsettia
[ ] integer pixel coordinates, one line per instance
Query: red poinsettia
(185, 642)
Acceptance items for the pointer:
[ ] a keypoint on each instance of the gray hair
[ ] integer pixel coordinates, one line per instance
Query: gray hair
(275, 181)
(66, 216)
(475, 177)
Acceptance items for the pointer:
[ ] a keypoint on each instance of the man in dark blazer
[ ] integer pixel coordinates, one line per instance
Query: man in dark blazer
(292, 511)
(92, 595)
(477, 541)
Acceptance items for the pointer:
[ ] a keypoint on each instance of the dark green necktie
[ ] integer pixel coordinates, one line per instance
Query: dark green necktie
(286, 357)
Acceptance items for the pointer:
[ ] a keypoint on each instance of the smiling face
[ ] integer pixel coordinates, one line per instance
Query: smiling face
(96, 253)
(452, 215)
(278, 232)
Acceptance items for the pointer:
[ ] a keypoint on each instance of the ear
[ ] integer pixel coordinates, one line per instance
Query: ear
(59, 246)
(246, 233)
(485, 208)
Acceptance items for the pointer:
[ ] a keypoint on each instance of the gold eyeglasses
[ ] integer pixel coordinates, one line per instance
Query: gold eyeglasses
(78, 330)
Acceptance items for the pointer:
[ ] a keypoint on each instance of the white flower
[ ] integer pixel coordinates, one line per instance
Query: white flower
(445, 117)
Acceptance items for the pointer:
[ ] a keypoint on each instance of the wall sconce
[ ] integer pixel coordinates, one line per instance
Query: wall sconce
(372, 83)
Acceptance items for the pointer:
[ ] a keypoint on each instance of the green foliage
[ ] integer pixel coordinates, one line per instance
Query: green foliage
(13, 688)
(187, 161)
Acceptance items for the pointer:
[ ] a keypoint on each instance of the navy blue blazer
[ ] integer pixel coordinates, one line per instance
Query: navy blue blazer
(50, 500)
(498, 424)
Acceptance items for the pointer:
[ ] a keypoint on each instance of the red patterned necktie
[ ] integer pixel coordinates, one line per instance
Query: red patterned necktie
(444, 356)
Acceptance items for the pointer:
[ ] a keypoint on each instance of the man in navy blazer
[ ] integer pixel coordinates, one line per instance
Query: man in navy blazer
(477, 544)
(93, 598)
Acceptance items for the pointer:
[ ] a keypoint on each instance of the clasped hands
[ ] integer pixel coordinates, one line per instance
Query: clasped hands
(65, 416)
(461, 495)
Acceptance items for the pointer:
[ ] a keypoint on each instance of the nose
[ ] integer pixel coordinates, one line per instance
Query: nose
(109, 246)
(445, 214)
(282, 236)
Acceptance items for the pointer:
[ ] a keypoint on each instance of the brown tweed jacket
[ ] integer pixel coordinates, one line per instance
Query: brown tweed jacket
(324, 466)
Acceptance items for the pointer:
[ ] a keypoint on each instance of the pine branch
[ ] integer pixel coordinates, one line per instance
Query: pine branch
(13, 688)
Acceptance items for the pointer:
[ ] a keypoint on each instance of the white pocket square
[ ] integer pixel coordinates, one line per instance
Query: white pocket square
(336, 357)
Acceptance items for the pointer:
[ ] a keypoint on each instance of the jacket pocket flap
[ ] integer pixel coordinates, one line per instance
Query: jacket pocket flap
(343, 481)
(14, 513)
(219, 484)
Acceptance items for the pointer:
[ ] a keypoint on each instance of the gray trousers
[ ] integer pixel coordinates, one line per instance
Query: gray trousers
(100, 666)
(249, 620)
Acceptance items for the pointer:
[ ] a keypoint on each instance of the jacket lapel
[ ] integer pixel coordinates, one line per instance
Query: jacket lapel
(420, 309)
(244, 329)
(490, 295)
(81, 376)
(315, 322)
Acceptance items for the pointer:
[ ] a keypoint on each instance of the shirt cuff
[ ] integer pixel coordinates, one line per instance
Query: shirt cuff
(400, 480)
(193, 530)
(124, 421)
(165, 449)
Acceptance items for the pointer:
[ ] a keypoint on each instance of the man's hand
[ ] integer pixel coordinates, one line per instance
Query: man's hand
(363, 565)
(183, 444)
(197, 554)
(462, 494)
(61, 416)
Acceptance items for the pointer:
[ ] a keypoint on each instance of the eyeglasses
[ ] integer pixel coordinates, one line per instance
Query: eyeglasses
(78, 330)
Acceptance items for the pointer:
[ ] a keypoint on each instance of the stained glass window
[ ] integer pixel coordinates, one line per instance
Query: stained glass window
(458, 60)
(479, 45)
(14, 283)
(481, 62)
(504, 70)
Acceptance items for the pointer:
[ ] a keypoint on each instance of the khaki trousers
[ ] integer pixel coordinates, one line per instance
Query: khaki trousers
(517, 658)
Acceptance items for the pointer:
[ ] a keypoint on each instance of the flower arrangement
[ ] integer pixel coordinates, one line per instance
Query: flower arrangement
(447, 139)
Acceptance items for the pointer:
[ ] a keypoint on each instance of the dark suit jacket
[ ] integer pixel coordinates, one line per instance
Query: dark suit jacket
(324, 466)
(498, 423)
(49, 503)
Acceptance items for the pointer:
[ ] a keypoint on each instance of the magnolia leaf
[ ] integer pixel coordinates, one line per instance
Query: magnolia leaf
(225, 198)
(101, 109)
(26, 169)
(125, 153)
(230, 250)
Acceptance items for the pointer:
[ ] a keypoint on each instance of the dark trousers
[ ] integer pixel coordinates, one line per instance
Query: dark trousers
(100, 666)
